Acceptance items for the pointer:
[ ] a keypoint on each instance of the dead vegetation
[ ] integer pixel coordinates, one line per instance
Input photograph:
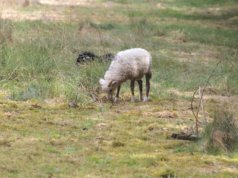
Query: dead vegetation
(221, 133)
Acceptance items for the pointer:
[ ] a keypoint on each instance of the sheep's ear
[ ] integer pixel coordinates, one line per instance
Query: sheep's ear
(101, 81)
(112, 83)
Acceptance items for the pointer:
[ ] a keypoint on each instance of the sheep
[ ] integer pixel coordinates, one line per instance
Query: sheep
(131, 64)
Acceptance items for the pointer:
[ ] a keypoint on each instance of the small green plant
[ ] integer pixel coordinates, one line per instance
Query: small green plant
(222, 133)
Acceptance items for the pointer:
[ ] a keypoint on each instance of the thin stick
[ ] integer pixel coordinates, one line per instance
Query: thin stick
(192, 108)
(201, 97)
(202, 106)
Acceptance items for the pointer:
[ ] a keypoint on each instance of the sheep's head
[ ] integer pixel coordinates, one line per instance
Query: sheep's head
(108, 87)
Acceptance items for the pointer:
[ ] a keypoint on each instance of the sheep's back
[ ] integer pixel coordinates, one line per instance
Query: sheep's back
(130, 64)
(134, 62)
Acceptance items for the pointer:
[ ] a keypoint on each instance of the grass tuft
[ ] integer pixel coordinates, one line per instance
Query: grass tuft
(222, 133)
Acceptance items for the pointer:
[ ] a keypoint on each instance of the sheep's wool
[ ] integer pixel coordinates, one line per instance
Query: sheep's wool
(131, 64)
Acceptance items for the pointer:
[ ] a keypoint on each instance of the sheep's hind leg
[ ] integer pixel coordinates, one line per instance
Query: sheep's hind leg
(132, 90)
(147, 77)
(117, 95)
(140, 82)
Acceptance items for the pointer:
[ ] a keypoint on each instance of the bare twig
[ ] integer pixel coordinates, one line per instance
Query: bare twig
(202, 106)
(201, 97)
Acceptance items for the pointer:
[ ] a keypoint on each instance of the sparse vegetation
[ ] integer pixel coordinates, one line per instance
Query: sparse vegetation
(42, 136)
(222, 133)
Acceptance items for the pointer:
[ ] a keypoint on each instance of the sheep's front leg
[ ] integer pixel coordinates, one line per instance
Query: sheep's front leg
(140, 82)
(147, 77)
(118, 91)
(132, 90)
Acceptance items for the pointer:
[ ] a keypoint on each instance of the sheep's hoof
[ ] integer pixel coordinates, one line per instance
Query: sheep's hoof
(116, 100)
(146, 99)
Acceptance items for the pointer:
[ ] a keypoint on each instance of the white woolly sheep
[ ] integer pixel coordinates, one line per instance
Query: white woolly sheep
(131, 64)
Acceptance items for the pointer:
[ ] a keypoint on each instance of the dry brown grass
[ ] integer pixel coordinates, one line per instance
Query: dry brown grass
(7, 3)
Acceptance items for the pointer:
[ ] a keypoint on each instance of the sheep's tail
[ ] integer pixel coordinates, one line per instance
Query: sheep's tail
(149, 73)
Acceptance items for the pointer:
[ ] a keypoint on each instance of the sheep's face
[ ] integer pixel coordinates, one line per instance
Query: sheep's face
(108, 87)
(104, 85)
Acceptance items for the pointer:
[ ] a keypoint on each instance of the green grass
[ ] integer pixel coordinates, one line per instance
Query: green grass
(203, 3)
(81, 142)
(43, 52)
(42, 137)
(47, 60)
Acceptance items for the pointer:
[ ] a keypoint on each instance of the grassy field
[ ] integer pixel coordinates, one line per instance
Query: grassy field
(41, 136)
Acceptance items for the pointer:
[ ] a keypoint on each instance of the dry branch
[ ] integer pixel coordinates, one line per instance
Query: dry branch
(201, 97)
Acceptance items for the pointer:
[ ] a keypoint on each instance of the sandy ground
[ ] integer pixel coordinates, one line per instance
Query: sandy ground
(36, 15)
(60, 11)
(47, 2)
(66, 3)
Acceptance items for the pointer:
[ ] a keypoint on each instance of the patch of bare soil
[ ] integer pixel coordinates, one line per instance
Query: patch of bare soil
(36, 15)
(46, 2)
(60, 9)
(66, 3)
